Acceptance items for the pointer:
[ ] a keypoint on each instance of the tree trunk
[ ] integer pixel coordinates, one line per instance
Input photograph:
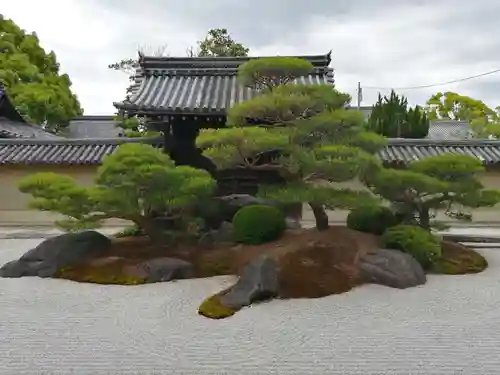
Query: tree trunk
(320, 215)
(425, 220)
(151, 229)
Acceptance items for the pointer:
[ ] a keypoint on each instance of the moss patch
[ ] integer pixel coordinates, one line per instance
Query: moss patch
(107, 274)
(457, 259)
(213, 308)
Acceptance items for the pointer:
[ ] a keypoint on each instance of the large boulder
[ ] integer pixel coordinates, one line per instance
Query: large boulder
(159, 270)
(258, 281)
(391, 268)
(57, 252)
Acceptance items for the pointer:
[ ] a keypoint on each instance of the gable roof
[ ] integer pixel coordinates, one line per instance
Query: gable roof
(94, 127)
(201, 85)
(93, 151)
(12, 124)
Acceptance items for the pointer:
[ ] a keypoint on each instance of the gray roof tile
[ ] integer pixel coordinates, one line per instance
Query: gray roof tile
(92, 151)
(404, 151)
(95, 127)
(61, 152)
(201, 85)
(15, 129)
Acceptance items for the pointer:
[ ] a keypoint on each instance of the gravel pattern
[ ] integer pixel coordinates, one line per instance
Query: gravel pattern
(448, 326)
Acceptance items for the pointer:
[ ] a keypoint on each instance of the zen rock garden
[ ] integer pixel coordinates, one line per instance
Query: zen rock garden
(184, 228)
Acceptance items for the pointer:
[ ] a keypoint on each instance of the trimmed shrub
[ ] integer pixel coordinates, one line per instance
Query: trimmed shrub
(258, 224)
(371, 219)
(416, 241)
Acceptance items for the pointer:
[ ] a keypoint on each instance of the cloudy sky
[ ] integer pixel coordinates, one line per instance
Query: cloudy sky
(380, 43)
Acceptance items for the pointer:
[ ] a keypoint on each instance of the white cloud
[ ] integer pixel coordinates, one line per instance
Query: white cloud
(397, 43)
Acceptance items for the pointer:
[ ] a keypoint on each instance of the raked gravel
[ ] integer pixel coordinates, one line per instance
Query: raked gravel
(449, 326)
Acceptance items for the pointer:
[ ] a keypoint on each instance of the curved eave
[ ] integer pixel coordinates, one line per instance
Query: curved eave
(199, 94)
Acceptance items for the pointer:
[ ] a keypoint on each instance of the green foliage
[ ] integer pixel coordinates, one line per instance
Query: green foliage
(134, 128)
(416, 241)
(329, 197)
(238, 146)
(317, 141)
(371, 219)
(391, 117)
(130, 184)
(483, 120)
(258, 224)
(287, 104)
(60, 194)
(32, 80)
(271, 72)
(219, 42)
(446, 182)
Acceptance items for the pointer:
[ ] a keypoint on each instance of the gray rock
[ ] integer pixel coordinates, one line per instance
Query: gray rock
(391, 268)
(258, 282)
(223, 234)
(161, 269)
(56, 252)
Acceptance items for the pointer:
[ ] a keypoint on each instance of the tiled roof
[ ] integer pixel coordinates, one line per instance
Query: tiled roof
(61, 151)
(201, 85)
(404, 151)
(92, 151)
(94, 127)
(15, 129)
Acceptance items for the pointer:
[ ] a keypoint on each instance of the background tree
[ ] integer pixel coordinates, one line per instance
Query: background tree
(446, 182)
(32, 80)
(134, 127)
(129, 66)
(219, 42)
(320, 143)
(483, 120)
(130, 184)
(391, 117)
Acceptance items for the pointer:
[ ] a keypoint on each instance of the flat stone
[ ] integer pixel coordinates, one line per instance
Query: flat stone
(160, 269)
(391, 268)
(258, 281)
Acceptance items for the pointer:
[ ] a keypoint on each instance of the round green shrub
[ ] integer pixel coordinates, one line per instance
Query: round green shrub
(256, 224)
(371, 219)
(416, 241)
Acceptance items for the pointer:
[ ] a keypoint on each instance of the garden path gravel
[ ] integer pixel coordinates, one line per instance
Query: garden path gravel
(448, 326)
